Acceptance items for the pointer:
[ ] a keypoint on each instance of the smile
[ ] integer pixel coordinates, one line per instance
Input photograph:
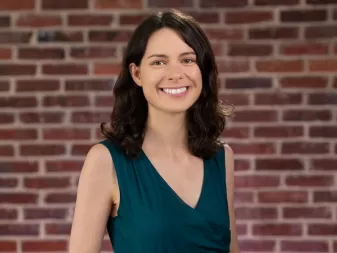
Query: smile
(176, 91)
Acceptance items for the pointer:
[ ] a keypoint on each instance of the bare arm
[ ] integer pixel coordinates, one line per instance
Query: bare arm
(94, 202)
(234, 246)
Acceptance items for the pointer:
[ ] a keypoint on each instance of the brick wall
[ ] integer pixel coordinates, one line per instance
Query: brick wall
(277, 58)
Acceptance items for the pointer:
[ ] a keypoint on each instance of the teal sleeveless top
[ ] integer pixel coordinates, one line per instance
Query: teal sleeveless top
(152, 218)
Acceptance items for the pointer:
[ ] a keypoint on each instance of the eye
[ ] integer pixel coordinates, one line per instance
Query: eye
(188, 60)
(157, 63)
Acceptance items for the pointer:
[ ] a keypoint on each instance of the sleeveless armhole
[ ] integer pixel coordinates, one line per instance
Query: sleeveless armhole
(118, 164)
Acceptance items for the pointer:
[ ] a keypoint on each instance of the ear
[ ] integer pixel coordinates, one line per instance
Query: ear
(135, 73)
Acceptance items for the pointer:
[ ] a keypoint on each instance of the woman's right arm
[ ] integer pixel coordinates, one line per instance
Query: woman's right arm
(94, 202)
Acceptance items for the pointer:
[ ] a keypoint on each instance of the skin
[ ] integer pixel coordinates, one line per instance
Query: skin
(161, 67)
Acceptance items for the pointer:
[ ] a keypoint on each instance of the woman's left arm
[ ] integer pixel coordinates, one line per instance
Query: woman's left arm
(229, 163)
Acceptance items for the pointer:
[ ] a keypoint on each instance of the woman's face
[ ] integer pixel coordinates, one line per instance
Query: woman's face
(168, 73)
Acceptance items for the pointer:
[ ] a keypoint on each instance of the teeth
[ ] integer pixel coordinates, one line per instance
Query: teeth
(175, 91)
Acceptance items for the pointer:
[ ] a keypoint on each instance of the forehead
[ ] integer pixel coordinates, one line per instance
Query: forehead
(166, 41)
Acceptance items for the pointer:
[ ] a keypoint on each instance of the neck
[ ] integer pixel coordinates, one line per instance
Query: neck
(167, 132)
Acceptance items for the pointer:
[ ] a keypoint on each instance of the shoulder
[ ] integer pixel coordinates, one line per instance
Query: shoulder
(229, 161)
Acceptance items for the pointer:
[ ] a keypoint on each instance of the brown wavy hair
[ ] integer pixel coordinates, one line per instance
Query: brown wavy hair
(205, 118)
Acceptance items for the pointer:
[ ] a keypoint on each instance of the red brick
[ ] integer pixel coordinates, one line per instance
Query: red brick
(253, 148)
(283, 196)
(42, 117)
(222, 4)
(15, 69)
(324, 164)
(131, 19)
(233, 66)
(249, 49)
(278, 164)
(110, 36)
(35, 85)
(41, 149)
(255, 115)
(325, 196)
(244, 197)
(66, 101)
(112, 4)
(307, 213)
(305, 49)
(320, 31)
(283, 229)
(309, 181)
(31, 213)
(90, 19)
(247, 17)
(279, 132)
(93, 52)
(304, 246)
(169, 4)
(257, 245)
(8, 182)
(18, 134)
(5, 21)
(6, 118)
(60, 198)
(205, 17)
(256, 213)
(5, 54)
(64, 166)
(306, 115)
(16, 5)
(322, 229)
(323, 65)
(8, 214)
(18, 102)
(80, 149)
(89, 85)
(89, 117)
(276, 2)
(38, 20)
(274, 33)
(256, 181)
(15, 37)
(224, 33)
(323, 131)
(8, 246)
(45, 245)
(19, 167)
(305, 82)
(65, 69)
(235, 99)
(241, 165)
(248, 83)
(278, 98)
(104, 101)
(58, 229)
(66, 134)
(236, 132)
(107, 68)
(321, 2)
(64, 4)
(322, 98)
(18, 198)
(279, 66)
(6, 150)
(46, 182)
(305, 148)
(30, 53)
(61, 36)
(303, 15)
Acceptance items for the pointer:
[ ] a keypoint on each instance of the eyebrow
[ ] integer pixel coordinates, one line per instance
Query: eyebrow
(165, 56)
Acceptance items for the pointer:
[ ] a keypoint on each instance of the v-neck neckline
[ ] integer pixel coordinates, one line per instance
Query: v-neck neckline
(169, 187)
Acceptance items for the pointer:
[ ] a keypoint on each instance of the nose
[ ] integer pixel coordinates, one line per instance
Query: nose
(175, 73)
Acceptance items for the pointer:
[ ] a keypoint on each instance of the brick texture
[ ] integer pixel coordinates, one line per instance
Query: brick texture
(278, 62)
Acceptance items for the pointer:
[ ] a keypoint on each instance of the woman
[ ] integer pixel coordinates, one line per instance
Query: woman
(161, 181)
